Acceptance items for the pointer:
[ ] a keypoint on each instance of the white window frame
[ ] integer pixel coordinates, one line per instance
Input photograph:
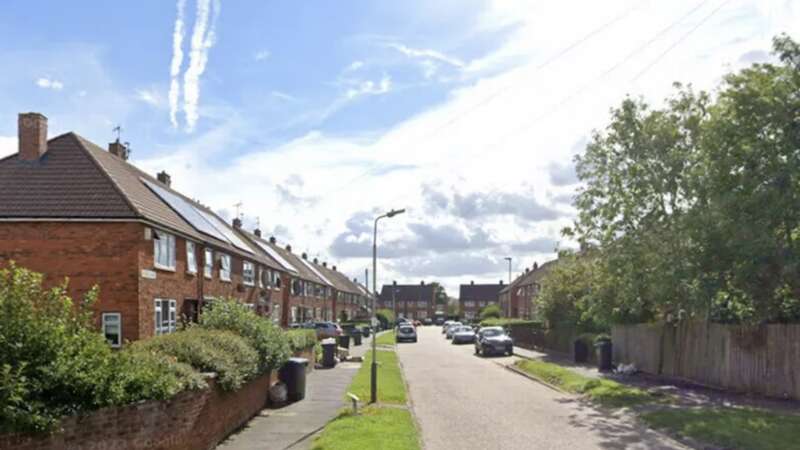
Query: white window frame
(248, 273)
(208, 263)
(224, 267)
(165, 243)
(105, 324)
(162, 306)
(191, 257)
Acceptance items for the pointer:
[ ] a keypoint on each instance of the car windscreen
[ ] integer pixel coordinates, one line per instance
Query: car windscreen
(463, 329)
(406, 330)
(492, 333)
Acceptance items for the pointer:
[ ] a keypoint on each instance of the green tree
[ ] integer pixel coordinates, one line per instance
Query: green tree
(694, 207)
(492, 311)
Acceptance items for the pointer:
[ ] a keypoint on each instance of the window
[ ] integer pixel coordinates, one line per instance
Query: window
(296, 287)
(191, 258)
(164, 251)
(422, 304)
(469, 304)
(276, 280)
(164, 316)
(249, 273)
(225, 267)
(208, 261)
(112, 328)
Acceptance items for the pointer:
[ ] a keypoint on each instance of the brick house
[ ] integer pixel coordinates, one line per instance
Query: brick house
(519, 297)
(412, 301)
(69, 208)
(473, 297)
(346, 293)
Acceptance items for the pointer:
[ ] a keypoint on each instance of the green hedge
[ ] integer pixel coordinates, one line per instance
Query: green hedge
(53, 362)
(301, 339)
(223, 352)
(271, 343)
(507, 322)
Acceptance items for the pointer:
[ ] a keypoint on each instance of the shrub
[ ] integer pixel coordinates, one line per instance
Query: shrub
(495, 322)
(301, 339)
(265, 337)
(223, 352)
(491, 312)
(54, 363)
(386, 317)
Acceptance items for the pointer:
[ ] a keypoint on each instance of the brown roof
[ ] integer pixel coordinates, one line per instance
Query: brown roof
(536, 276)
(340, 281)
(76, 179)
(408, 291)
(479, 291)
(303, 271)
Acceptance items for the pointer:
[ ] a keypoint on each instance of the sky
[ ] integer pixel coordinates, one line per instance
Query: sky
(316, 117)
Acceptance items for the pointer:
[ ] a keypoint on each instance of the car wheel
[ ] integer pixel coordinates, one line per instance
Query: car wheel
(415, 340)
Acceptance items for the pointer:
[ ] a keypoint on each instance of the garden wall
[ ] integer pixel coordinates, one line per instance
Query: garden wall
(192, 420)
(763, 360)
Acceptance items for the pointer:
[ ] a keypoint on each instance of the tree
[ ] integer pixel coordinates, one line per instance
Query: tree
(439, 294)
(694, 208)
(492, 311)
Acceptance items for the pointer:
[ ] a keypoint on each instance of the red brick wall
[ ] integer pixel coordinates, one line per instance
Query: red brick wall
(89, 253)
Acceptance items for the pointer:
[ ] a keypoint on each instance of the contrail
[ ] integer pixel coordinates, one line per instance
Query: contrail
(177, 61)
(203, 38)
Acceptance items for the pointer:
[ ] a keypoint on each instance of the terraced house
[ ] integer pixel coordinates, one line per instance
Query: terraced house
(518, 299)
(474, 297)
(350, 298)
(412, 301)
(70, 209)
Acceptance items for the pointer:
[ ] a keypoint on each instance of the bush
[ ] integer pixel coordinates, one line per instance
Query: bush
(386, 317)
(506, 322)
(301, 339)
(225, 353)
(54, 363)
(491, 312)
(265, 337)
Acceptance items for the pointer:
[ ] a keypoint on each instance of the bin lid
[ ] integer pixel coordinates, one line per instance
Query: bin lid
(301, 361)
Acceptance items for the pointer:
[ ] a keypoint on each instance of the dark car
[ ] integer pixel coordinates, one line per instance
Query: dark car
(406, 333)
(427, 321)
(493, 340)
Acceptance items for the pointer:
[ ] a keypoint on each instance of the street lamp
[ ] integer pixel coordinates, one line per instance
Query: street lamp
(508, 312)
(374, 371)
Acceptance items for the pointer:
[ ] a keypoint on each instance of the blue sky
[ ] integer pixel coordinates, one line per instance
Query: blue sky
(318, 115)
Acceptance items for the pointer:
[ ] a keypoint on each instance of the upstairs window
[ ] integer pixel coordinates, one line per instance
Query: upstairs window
(249, 273)
(164, 316)
(276, 280)
(191, 257)
(225, 267)
(208, 261)
(164, 250)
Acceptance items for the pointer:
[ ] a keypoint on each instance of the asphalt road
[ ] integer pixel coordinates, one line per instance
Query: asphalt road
(462, 402)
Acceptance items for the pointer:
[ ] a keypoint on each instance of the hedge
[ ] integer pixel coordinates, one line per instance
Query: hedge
(507, 322)
(301, 339)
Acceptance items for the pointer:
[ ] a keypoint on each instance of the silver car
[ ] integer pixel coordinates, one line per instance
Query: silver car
(450, 329)
(463, 335)
(406, 333)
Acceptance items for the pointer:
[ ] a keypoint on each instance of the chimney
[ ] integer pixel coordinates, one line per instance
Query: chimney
(237, 223)
(333, 268)
(324, 263)
(501, 282)
(32, 134)
(289, 248)
(257, 232)
(528, 270)
(535, 265)
(119, 150)
(316, 261)
(162, 176)
(422, 283)
(272, 240)
(472, 282)
(304, 255)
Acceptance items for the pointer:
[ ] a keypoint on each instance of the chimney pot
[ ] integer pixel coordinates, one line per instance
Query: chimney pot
(472, 282)
(119, 150)
(237, 223)
(527, 270)
(163, 177)
(324, 263)
(272, 240)
(32, 135)
(535, 265)
(422, 283)
(289, 248)
(334, 268)
(257, 232)
(304, 255)
(316, 261)
(501, 282)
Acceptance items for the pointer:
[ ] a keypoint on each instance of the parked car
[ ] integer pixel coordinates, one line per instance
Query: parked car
(493, 340)
(427, 321)
(445, 325)
(439, 321)
(327, 330)
(417, 323)
(463, 335)
(451, 328)
(406, 332)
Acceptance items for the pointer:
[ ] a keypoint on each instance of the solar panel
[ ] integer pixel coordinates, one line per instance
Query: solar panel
(223, 228)
(186, 210)
(316, 272)
(277, 257)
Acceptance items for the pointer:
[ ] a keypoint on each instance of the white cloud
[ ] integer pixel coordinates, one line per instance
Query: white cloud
(425, 53)
(178, 33)
(47, 83)
(203, 38)
(8, 146)
(369, 87)
(261, 55)
(150, 96)
(283, 96)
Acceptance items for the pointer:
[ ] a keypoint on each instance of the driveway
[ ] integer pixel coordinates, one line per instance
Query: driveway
(462, 401)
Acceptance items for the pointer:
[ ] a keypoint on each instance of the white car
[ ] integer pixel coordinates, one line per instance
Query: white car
(451, 329)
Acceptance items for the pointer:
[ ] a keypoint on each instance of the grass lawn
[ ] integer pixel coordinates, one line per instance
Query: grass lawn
(385, 428)
(604, 392)
(386, 338)
(731, 427)
(391, 388)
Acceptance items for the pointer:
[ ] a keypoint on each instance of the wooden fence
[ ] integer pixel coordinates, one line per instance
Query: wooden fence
(763, 359)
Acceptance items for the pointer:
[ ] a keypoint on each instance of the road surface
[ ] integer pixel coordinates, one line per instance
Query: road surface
(462, 401)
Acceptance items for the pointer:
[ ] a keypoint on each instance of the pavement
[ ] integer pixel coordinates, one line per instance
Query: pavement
(294, 426)
(467, 402)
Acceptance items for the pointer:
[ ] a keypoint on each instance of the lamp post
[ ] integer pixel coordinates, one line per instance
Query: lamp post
(508, 312)
(374, 368)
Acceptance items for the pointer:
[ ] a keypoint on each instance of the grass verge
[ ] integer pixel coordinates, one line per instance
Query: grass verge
(374, 427)
(607, 393)
(391, 388)
(386, 339)
(750, 429)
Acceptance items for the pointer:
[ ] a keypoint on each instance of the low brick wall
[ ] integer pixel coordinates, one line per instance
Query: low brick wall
(192, 420)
